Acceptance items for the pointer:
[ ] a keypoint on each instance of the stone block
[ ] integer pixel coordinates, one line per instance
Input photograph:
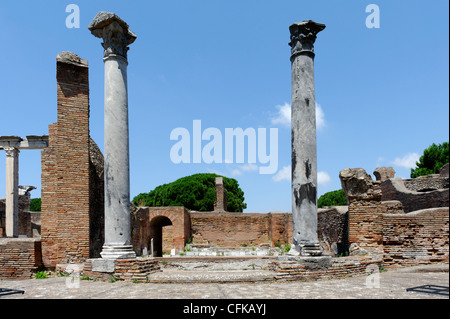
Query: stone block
(358, 185)
(316, 262)
(103, 265)
(384, 173)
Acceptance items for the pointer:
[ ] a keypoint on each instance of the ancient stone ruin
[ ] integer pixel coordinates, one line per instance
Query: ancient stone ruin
(87, 218)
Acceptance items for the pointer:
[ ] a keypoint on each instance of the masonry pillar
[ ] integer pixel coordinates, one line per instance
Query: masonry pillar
(12, 192)
(304, 149)
(220, 205)
(116, 38)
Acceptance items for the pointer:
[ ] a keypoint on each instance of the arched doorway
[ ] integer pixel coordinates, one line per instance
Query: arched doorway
(170, 227)
(157, 225)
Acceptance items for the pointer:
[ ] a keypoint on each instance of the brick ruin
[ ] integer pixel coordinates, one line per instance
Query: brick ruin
(72, 205)
(379, 224)
(388, 221)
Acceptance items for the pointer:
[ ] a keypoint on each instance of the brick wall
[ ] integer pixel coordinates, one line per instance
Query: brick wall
(280, 228)
(419, 237)
(172, 224)
(332, 229)
(96, 200)
(230, 229)
(237, 229)
(67, 173)
(20, 258)
(366, 223)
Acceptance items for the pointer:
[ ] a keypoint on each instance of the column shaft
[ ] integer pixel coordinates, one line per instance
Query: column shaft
(117, 171)
(304, 147)
(116, 37)
(304, 152)
(12, 192)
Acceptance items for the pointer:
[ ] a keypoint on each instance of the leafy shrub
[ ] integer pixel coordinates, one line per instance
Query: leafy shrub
(35, 205)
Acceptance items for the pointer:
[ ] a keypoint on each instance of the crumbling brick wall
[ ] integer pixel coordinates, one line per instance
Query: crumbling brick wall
(20, 258)
(280, 228)
(154, 222)
(403, 236)
(420, 237)
(418, 193)
(332, 229)
(71, 191)
(27, 219)
(96, 200)
(237, 229)
(366, 224)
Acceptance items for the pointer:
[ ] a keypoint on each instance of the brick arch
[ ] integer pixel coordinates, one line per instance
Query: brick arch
(159, 225)
(177, 217)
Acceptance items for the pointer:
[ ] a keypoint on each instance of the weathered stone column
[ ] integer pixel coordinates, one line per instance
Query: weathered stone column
(12, 192)
(116, 36)
(304, 150)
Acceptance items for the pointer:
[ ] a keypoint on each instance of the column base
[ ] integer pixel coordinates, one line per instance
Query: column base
(118, 252)
(305, 250)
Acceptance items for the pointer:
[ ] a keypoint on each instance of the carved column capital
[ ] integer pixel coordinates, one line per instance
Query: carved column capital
(115, 33)
(303, 36)
(11, 151)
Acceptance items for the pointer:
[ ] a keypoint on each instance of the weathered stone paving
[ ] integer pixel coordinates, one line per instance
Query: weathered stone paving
(393, 284)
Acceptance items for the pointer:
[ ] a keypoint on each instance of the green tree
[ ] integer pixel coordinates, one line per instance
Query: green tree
(433, 158)
(334, 198)
(195, 192)
(35, 205)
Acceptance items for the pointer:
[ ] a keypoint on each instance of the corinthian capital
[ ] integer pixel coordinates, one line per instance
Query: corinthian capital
(303, 36)
(115, 33)
(11, 151)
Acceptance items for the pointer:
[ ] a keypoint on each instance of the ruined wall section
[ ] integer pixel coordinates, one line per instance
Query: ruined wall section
(235, 230)
(230, 229)
(420, 237)
(365, 211)
(418, 193)
(96, 200)
(404, 235)
(332, 229)
(67, 170)
(19, 257)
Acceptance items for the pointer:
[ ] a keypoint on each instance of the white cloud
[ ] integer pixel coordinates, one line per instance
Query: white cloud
(283, 116)
(283, 174)
(407, 161)
(323, 178)
(320, 117)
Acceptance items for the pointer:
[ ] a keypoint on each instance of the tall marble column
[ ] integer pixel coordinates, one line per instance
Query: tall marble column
(12, 192)
(304, 150)
(116, 37)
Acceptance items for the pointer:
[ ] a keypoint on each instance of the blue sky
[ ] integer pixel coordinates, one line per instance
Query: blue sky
(382, 92)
